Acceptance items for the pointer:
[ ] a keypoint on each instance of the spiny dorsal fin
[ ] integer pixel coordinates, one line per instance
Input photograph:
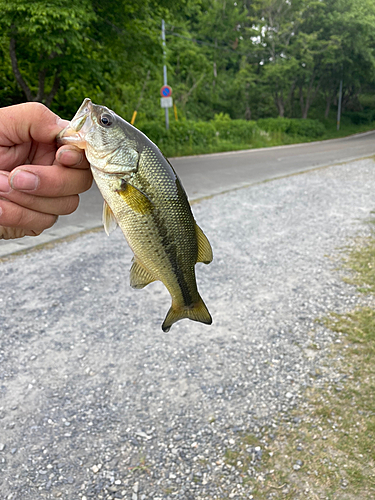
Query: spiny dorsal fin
(140, 276)
(135, 199)
(109, 221)
(204, 248)
(196, 312)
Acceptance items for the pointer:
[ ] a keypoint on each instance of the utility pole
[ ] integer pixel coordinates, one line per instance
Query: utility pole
(339, 107)
(165, 70)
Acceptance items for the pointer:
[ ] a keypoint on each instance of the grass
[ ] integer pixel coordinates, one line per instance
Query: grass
(325, 449)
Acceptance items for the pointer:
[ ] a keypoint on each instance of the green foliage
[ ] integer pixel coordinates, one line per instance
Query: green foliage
(293, 126)
(234, 130)
(361, 117)
(222, 133)
(47, 40)
(247, 60)
(182, 134)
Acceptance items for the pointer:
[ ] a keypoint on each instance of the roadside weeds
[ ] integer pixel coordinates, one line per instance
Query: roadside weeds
(325, 449)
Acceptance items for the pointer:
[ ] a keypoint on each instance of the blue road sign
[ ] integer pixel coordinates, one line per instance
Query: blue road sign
(166, 91)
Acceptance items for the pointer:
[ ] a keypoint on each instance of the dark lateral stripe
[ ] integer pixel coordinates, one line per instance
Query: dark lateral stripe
(172, 257)
(162, 229)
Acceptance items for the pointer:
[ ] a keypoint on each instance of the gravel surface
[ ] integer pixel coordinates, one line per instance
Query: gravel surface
(96, 402)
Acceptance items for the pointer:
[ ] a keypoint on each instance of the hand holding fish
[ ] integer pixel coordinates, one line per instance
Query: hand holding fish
(35, 185)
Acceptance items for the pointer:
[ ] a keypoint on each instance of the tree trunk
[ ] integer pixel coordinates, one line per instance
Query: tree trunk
(247, 99)
(306, 103)
(248, 112)
(328, 105)
(20, 80)
(279, 101)
(40, 96)
(291, 97)
(55, 88)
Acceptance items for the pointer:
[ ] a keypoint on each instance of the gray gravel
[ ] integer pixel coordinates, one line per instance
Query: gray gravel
(96, 402)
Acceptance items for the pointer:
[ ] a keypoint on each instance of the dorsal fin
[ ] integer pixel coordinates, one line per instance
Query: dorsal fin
(204, 248)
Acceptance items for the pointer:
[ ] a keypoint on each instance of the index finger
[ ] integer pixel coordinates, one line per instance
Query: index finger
(30, 121)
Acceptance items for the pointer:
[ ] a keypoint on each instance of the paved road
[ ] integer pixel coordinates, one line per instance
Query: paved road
(206, 175)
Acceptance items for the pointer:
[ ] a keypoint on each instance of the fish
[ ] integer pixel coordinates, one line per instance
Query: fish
(144, 196)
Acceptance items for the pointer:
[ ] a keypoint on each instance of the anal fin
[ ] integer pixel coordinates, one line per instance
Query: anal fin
(140, 276)
(205, 254)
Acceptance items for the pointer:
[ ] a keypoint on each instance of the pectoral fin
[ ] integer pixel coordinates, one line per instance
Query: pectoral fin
(204, 248)
(135, 199)
(109, 221)
(140, 276)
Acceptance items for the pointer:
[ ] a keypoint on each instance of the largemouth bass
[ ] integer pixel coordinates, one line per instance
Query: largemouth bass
(145, 197)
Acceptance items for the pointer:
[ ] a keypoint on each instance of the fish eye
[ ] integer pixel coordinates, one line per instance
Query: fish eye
(106, 120)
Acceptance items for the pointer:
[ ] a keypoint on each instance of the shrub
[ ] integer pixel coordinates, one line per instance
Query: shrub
(274, 124)
(237, 131)
(181, 134)
(306, 128)
(188, 136)
(293, 126)
(360, 117)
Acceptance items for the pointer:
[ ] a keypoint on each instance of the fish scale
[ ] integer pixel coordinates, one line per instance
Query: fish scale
(145, 197)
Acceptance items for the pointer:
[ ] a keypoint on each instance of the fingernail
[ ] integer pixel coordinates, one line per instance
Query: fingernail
(4, 184)
(24, 181)
(70, 157)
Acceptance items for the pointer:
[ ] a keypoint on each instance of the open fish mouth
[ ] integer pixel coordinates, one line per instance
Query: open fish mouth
(75, 132)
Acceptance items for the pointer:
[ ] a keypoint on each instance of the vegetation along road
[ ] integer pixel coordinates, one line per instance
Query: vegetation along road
(207, 175)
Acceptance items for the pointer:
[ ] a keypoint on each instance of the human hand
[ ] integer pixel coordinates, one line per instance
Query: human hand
(35, 185)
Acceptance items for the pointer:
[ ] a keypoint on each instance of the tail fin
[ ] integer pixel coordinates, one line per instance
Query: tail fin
(197, 312)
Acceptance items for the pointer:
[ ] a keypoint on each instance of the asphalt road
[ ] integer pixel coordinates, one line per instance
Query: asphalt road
(207, 175)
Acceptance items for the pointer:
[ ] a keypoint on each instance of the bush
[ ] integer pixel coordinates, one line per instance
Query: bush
(274, 124)
(361, 117)
(306, 128)
(181, 134)
(293, 126)
(154, 131)
(237, 131)
(189, 137)
(192, 133)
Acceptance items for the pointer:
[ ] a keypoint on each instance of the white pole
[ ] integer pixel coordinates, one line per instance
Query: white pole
(165, 70)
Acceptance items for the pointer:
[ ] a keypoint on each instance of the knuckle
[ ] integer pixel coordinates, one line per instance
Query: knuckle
(50, 221)
(71, 204)
(17, 217)
(38, 108)
(88, 182)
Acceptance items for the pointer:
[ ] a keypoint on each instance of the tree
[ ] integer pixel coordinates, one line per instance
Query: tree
(46, 39)
(345, 29)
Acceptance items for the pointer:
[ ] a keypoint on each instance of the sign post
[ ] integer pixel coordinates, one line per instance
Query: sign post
(165, 73)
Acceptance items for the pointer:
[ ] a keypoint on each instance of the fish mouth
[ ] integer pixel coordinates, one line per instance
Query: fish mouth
(75, 131)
